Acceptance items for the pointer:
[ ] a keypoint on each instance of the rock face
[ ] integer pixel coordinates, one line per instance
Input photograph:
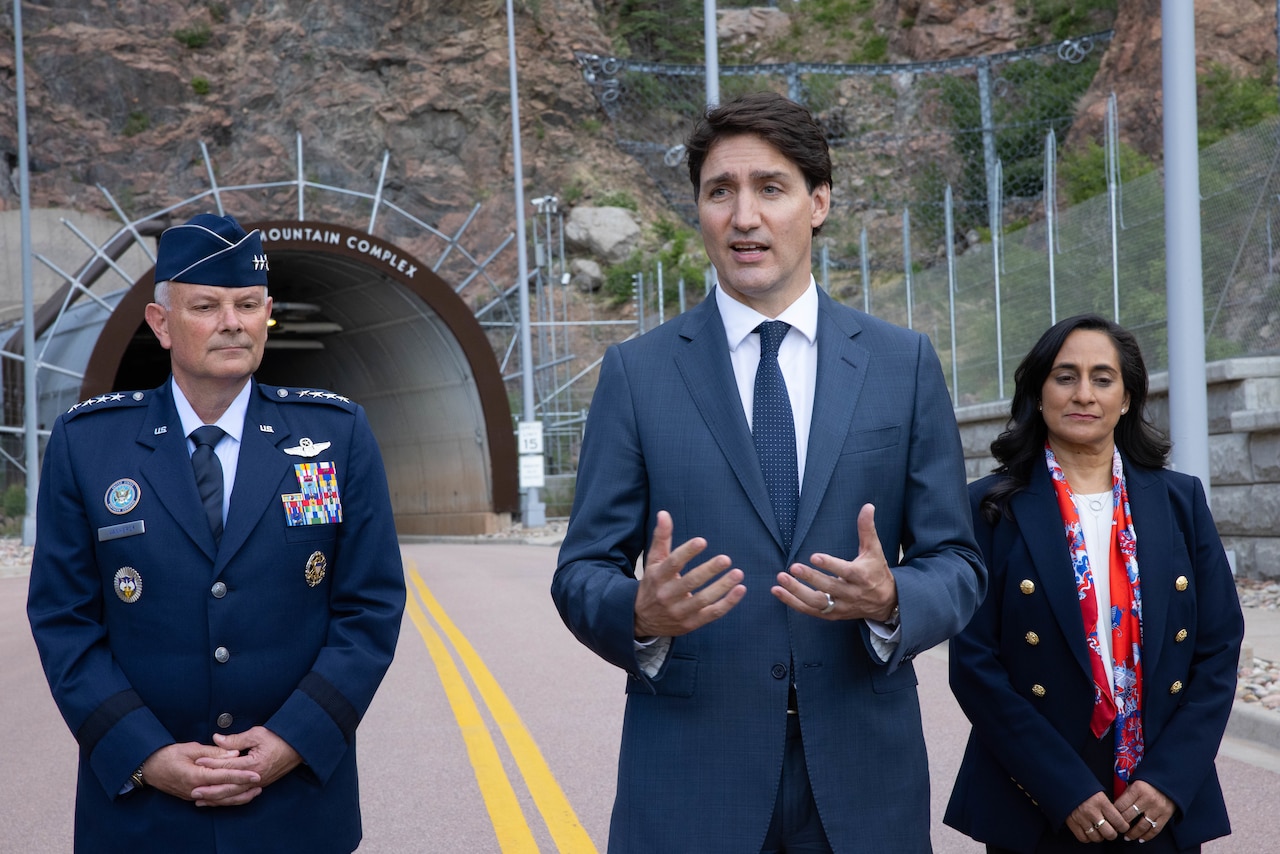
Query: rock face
(122, 92)
(1239, 35)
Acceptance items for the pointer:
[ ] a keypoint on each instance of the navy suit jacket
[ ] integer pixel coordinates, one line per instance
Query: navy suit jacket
(702, 742)
(301, 659)
(1022, 774)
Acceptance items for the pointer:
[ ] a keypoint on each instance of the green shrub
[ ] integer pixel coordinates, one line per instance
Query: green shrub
(618, 199)
(194, 37)
(136, 123)
(15, 501)
(1229, 103)
(200, 85)
(1082, 172)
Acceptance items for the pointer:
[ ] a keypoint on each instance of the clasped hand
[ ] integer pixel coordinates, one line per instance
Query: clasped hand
(1139, 814)
(672, 602)
(232, 771)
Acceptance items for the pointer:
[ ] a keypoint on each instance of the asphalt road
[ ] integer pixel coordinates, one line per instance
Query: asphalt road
(492, 717)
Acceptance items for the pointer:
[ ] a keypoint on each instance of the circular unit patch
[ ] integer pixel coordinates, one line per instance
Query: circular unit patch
(122, 496)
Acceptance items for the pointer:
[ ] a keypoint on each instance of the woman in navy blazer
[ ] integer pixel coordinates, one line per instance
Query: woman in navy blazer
(1098, 677)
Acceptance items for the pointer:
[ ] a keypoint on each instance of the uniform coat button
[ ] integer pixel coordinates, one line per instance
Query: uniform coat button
(779, 671)
(222, 654)
(1180, 583)
(1180, 636)
(224, 720)
(1038, 690)
(1032, 638)
(1027, 586)
(1176, 687)
(218, 590)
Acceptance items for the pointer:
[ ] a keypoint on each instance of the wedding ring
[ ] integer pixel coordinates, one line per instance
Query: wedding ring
(1154, 824)
(1099, 823)
(1137, 809)
(1091, 830)
(831, 604)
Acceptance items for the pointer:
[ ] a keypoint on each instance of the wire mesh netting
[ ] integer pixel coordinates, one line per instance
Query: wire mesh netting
(984, 133)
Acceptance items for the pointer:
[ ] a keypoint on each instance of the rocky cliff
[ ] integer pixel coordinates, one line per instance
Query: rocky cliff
(122, 92)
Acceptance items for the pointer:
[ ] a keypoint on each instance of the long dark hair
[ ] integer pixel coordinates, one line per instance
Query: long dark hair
(1021, 446)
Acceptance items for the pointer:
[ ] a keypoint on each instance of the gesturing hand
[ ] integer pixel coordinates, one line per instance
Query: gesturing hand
(843, 589)
(671, 603)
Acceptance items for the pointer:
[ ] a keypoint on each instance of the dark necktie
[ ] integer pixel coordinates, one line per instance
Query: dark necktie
(774, 430)
(208, 469)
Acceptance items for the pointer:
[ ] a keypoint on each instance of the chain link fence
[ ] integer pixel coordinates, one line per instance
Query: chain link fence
(945, 201)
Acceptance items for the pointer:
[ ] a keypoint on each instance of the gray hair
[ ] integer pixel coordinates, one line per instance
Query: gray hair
(161, 295)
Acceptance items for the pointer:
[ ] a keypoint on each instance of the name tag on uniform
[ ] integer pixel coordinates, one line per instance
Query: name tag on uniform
(125, 529)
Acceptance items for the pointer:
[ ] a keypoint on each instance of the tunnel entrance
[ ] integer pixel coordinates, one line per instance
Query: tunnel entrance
(355, 315)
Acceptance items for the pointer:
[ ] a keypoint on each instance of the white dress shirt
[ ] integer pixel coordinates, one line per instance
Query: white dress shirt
(228, 448)
(1098, 537)
(798, 359)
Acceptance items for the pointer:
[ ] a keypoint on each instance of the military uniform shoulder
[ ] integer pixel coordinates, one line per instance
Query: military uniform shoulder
(113, 400)
(287, 394)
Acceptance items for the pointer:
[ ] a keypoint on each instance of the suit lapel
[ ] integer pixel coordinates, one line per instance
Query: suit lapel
(168, 469)
(842, 370)
(259, 471)
(703, 362)
(1036, 511)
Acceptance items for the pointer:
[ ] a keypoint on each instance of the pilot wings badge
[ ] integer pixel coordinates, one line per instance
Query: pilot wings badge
(307, 448)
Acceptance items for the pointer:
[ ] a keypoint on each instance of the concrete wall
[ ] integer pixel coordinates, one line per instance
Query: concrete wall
(1244, 454)
(52, 237)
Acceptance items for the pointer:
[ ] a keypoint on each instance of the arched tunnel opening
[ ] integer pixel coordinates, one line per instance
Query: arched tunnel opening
(354, 315)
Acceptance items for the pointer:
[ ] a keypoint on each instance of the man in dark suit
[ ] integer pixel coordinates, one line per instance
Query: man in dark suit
(825, 467)
(215, 613)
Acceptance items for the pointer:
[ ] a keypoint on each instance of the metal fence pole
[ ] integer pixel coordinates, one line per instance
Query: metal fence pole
(997, 214)
(988, 131)
(1113, 196)
(906, 259)
(951, 294)
(1050, 218)
(866, 272)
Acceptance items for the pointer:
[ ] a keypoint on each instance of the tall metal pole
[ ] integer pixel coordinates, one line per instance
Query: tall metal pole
(1188, 398)
(711, 46)
(535, 512)
(29, 420)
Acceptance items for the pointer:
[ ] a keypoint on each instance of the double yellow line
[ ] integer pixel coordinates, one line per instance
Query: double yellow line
(509, 823)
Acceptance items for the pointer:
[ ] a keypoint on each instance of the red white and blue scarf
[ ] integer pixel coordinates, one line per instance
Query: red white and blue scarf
(1124, 707)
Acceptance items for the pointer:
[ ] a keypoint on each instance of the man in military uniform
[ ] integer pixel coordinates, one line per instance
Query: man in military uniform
(216, 589)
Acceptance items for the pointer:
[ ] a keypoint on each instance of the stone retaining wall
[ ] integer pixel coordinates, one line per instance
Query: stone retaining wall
(1244, 454)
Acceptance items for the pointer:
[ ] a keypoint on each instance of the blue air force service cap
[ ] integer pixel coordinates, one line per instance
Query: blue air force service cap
(211, 250)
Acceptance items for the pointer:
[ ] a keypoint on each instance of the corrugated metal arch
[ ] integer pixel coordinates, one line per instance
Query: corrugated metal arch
(387, 332)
